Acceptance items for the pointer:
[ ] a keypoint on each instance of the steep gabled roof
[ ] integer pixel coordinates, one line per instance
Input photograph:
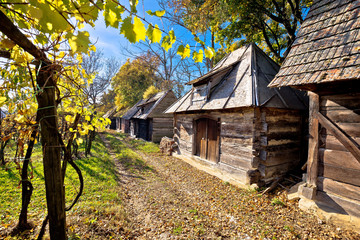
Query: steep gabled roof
(150, 104)
(327, 47)
(132, 111)
(110, 113)
(240, 79)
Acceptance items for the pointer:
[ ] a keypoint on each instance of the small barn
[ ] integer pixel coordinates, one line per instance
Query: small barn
(231, 121)
(112, 114)
(325, 60)
(149, 121)
(125, 118)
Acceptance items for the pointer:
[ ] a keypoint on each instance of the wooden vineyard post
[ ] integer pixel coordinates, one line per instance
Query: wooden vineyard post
(313, 156)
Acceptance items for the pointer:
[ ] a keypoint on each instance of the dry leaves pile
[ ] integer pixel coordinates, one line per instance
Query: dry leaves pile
(166, 198)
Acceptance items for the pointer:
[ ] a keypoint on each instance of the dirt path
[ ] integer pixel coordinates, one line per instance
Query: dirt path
(166, 198)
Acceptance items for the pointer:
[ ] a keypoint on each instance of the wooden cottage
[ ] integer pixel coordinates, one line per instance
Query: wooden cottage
(325, 60)
(150, 122)
(112, 114)
(231, 121)
(125, 119)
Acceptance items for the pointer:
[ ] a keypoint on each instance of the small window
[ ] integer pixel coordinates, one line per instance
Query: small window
(200, 93)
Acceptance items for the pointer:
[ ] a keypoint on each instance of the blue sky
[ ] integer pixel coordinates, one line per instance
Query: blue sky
(110, 40)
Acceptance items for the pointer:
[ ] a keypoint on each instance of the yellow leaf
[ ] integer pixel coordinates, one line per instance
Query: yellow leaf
(184, 51)
(2, 100)
(198, 56)
(79, 43)
(154, 34)
(79, 141)
(139, 29)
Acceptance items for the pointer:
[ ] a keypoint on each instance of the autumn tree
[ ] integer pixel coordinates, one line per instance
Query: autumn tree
(272, 24)
(133, 78)
(101, 71)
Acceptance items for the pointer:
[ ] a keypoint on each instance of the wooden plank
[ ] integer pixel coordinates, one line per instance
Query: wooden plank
(281, 157)
(245, 142)
(338, 158)
(236, 129)
(270, 171)
(340, 204)
(212, 138)
(236, 149)
(332, 143)
(345, 116)
(350, 144)
(313, 158)
(345, 175)
(349, 101)
(236, 160)
(347, 190)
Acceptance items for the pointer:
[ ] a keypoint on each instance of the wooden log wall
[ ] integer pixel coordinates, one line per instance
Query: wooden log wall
(338, 181)
(236, 140)
(161, 127)
(251, 139)
(280, 141)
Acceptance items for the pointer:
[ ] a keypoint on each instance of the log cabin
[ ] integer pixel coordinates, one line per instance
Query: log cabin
(325, 61)
(112, 114)
(149, 122)
(125, 119)
(232, 122)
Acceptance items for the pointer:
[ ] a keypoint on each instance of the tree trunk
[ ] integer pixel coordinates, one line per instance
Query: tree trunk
(91, 137)
(55, 194)
(26, 185)
(2, 151)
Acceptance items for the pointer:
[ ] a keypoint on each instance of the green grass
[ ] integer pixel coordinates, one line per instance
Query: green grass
(130, 159)
(100, 201)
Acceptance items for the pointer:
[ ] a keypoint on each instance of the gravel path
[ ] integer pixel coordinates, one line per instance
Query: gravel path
(166, 198)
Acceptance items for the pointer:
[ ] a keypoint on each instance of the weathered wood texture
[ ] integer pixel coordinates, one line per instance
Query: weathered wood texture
(161, 127)
(338, 178)
(279, 140)
(313, 158)
(125, 125)
(250, 139)
(158, 111)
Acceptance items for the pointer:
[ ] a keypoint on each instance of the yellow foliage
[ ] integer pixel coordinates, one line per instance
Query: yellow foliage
(150, 91)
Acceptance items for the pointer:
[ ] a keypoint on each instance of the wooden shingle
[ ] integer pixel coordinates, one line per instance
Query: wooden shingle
(327, 47)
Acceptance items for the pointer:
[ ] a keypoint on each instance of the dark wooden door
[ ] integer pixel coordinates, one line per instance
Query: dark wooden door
(212, 144)
(207, 143)
(201, 125)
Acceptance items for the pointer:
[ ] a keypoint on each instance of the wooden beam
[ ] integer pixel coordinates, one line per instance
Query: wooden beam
(346, 140)
(313, 156)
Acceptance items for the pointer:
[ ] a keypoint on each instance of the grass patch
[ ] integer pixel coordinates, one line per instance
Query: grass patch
(130, 159)
(100, 202)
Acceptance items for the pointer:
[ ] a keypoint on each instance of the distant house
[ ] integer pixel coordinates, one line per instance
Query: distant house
(125, 119)
(325, 60)
(231, 121)
(149, 122)
(114, 118)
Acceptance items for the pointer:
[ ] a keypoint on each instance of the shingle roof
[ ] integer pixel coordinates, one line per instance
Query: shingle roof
(132, 111)
(149, 105)
(327, 46)
(240, 79)
(110, 113)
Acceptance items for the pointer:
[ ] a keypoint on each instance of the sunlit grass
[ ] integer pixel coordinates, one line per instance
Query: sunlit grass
(101, 197)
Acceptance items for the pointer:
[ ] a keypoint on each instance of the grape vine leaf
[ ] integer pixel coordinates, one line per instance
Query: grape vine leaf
(184, 51)
(154, 34)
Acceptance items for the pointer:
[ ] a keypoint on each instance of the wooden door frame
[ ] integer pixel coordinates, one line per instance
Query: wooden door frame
(194, 137)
